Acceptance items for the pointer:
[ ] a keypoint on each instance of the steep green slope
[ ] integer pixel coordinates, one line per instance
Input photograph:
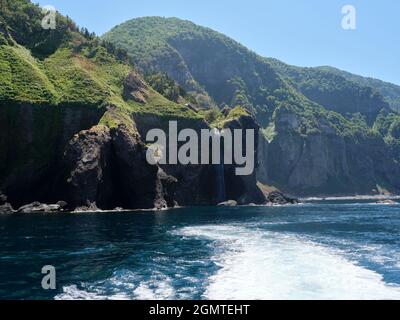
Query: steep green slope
(55, 83)
(198, 57)
(231, 74)
(389, 91)
(22, 21)
(65, 65)
(333, 91)
(318, 131)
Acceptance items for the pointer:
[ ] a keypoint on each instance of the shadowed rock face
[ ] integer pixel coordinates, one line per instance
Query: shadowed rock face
(86, 158)
(32, 142)
(106, 168)
(326, 163)
(109, 168)
(244, 188)
(3, 198)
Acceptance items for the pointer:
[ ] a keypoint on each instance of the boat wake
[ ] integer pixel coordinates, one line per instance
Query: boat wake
(256, 264)
(248, 263)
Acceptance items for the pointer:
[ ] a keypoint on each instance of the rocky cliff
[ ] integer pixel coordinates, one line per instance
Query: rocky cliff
(327, 162)
(73, 122)
(323, 132)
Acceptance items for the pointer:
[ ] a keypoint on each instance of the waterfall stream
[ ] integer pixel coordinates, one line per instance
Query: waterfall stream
(220, 181)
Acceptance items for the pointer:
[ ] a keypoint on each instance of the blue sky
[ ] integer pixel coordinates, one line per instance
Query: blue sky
(299, 32)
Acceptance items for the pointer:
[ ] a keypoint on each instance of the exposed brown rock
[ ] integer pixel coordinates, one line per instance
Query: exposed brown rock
(135, 88)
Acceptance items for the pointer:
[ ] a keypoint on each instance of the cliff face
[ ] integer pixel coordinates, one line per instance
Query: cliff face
(106, 168)
(324, 133)
(326, 162)
(32, 139)
(74, 114)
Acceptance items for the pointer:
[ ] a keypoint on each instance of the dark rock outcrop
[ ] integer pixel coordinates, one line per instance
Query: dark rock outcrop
(108, 169)
(32, 143)
(105, 167)
(37, 207)
(277, 198)
(244, 188)
(86, 158)
(6, 209)
(3, 198)
(141, 185)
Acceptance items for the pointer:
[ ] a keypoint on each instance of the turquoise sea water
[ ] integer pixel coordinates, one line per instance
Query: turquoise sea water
(330, 250)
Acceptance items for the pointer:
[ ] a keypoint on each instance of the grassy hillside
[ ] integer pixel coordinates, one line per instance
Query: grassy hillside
(55, 83)
(76, 68)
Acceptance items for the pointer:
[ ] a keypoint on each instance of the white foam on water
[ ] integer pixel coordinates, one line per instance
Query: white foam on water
(256, 264)
(74, 293)
(155, 290)
(126, 285)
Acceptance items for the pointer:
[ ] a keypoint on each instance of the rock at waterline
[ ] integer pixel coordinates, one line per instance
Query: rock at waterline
(280, 199)
(6, 209)
(3, 199)
(387, 202)
(230, 203)
(37, 207)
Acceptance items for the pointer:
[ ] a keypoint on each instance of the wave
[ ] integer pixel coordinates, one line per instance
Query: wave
(256, 264)
(245, 263)
(123, 285)
(346, 198)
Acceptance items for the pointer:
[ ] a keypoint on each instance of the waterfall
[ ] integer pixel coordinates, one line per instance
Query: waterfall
(220, 174)
(220, 181)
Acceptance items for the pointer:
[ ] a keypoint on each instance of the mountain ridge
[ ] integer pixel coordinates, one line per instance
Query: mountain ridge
(314, 121)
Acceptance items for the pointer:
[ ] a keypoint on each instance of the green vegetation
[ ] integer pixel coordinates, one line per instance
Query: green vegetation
(22, 20)
(177, 47)
(217, 119)
(284, 99)
(233, 75)
(166, 86)
(53, 82)
(213, 116)
(22, 78)
(237, 112)
(333, 91)
(69, 66)
(56, 72)
(389, 91)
